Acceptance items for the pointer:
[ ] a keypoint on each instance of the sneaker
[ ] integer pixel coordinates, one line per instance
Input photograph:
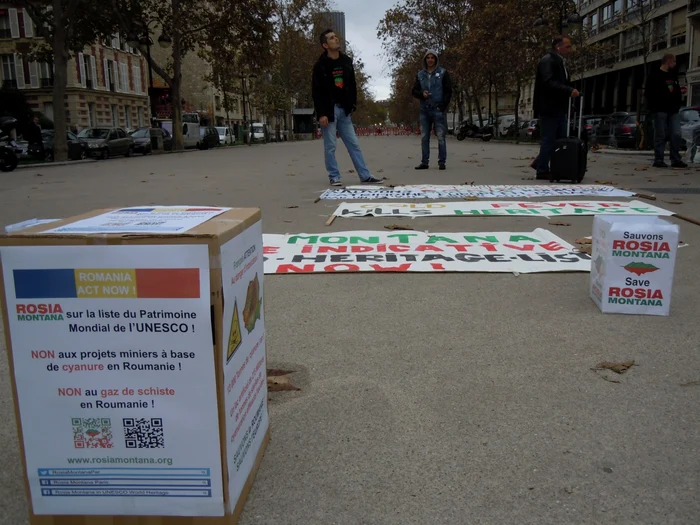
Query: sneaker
(679, 164)
(422, 167)
(442, 166)
(336, 182)
(371, 180)
(660, 164)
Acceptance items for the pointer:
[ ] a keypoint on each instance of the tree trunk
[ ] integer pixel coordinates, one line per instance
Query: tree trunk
(178, 141)
(518, 86)
(60, 81)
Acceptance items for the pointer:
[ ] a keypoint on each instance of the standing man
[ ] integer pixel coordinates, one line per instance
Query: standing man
(551, 101)
(664, 101)
(433, 88)
(335, 97)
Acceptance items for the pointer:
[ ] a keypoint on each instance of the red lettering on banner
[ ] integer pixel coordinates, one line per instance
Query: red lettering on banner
(428, 248)
(381, 248)
(399, 248)
(361, 249)
(489, 247)
(307, 249)
(525, 248)
(460, 247)
(552, 246)
(334, 249)
(437, 266)
(292, 268)
(399, 268)
(269, 250)
(345, 268)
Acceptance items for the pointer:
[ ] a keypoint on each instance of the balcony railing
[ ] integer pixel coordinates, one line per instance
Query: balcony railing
(10, 84)
(46, 82)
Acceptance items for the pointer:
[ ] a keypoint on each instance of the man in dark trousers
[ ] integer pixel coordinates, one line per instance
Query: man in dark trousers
(433, 87)
(664, 101)
(551, 101)
(335, 97)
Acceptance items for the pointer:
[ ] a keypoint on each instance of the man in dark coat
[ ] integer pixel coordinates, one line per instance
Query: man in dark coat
(334, 92)
(664, 102)
(551, 100)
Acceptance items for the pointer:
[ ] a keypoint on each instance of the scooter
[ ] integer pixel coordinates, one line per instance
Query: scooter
(9, 150)
(469, 130)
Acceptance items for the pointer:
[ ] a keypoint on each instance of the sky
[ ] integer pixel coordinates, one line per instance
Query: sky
(361, 20)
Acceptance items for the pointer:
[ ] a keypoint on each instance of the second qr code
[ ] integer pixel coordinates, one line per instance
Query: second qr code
(143, 432)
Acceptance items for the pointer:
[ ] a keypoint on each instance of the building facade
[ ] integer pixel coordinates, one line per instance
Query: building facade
(693, 73)
(613, 80)
(334, 20)
(106, 82)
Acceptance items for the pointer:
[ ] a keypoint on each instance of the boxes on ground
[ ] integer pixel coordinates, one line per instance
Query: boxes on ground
(633, 261)
(136, 343)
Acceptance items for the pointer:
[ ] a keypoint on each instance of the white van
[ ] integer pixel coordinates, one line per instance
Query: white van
(257, 132)
(225, 135)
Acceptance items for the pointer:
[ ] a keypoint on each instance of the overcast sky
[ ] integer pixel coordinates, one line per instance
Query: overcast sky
(361, 20)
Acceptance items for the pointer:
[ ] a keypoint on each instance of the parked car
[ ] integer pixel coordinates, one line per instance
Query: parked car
(105, 142)
(77, 148)
(142, 140)
(619, 130)
(225, 135)
(208, 137)
(258, 132)
(591, 123)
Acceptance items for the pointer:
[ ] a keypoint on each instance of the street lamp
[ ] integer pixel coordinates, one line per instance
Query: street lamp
(135, 41)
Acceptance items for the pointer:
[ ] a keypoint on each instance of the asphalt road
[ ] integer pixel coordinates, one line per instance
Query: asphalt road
(432, 398)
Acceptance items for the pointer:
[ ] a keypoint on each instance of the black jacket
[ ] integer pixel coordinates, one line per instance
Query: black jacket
(552, 87)
(323, 84)
(663, 92)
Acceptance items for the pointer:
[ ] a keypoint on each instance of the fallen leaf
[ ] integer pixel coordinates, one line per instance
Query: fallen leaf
(278, 380)
(287, 221)
(611, 380)
(559, 223)
(618, 368)
(586, 248)
(398, 227)
(290, 207)
(380, 171)
(673, 202)
(471, 198)
(171, 175)
(677, 169)
(606, 182)
(351, 171)
(39, 175)
(144, 181)
(641, 169)
(584, 240)
(527, 178)
(479, 165)
(317, 199)
(691, 383)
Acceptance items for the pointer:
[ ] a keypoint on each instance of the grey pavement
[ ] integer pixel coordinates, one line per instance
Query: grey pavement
(432, 398)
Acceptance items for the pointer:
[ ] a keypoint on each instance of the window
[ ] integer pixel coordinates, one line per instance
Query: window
(45, 75)
(594, 21)
(92, 114)
(115, 115)
(139, 112)
(660, 31)
(5, 31)
(9, 72)
(48, 110)
(607, 13)
(617, 8)
(127, 115)
(121, 134)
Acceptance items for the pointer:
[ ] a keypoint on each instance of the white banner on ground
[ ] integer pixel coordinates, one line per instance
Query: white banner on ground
(432, 191)
(411, 251)
(499, 208)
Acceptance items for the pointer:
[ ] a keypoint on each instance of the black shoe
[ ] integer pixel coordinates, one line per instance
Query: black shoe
(679, 164)
(371, 180)
(422, 167)
(442, 167)
(660, 164)
(336, 182)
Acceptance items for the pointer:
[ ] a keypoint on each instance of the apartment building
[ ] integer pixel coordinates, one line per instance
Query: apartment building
(693, 73)
(106, 82)
(613, 80)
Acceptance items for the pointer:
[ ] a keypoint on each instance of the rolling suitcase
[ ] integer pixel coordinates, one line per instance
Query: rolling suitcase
(569, 158)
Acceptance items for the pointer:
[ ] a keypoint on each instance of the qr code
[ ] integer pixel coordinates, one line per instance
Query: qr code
(92, 432)
(143, 432)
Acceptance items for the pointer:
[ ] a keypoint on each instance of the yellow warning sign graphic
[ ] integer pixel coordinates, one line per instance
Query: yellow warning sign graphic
(235, 339)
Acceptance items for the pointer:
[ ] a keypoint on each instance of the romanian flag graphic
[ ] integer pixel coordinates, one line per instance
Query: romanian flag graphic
(108, 283)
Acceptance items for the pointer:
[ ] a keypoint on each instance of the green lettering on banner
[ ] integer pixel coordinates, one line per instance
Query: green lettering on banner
(370, 240)
(313, 239)
(518, 238)
(476, 238)
(643, 210)
(436, 238)
(472, 212)
(553, 211)
(403, 238)
(522, 212)
(334, 239)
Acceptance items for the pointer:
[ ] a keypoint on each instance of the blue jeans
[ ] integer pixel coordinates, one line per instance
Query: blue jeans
(343, 124)
(667, 126)
(552, 128)
(428, 119)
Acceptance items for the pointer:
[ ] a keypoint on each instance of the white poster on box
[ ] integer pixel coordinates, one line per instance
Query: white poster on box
(633, 264)
(245, 366)
(113, 361)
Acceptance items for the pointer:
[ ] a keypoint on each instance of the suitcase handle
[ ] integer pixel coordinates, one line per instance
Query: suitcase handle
(580, 118)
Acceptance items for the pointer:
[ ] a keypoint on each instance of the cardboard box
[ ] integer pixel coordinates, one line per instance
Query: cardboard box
(633, 264)
(138, 365)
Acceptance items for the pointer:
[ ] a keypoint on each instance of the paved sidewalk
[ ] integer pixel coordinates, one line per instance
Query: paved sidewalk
(432, 398)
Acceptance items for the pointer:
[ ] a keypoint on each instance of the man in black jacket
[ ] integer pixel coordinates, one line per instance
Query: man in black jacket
(551, 101)
(335, 97)
(664, 101)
